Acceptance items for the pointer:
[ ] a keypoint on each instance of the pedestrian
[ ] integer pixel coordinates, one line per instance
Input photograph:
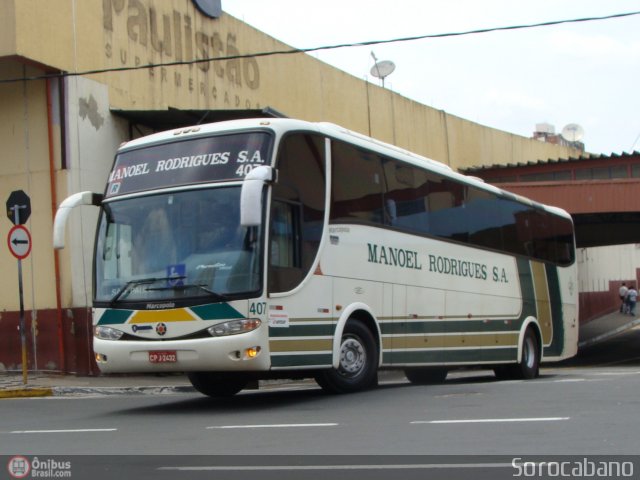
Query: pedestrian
(622, 292)
(632, 298)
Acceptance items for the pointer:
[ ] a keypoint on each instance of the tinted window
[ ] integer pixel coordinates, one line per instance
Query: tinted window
(357, 185)
(419, 201)
(406, 197)
(448, 215)
(516, 232)
(297, 211)
(485, 221)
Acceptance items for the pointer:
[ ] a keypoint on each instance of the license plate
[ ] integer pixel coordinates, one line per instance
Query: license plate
(165, 356)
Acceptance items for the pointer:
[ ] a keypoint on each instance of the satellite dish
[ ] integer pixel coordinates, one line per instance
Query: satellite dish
(383, 69)
(572, 132)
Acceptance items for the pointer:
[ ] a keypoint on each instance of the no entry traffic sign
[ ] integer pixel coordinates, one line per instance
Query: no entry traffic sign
(19, 241)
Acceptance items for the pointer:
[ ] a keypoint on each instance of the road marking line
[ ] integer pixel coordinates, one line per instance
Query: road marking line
(494, 420)
(420, 466)
(78, 430)
(275, 425)
(612, 373)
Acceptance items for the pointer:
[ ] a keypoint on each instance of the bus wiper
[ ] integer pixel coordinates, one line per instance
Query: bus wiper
(184, 286)
(142, 281)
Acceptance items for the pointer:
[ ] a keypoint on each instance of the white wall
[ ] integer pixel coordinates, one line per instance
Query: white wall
(599, 265)
(93, 135)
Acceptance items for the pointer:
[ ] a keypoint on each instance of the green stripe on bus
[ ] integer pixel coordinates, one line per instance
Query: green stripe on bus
(321, 359)
(216, 311)
(476, 356)
(401, 327)
(113, 317)
(302, 331)
(556, 312)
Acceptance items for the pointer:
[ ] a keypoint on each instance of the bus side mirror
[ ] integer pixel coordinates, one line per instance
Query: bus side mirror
(251, 195)
(60, 222)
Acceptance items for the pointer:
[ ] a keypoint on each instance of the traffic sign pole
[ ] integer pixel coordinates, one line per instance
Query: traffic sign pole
(19, 241)
(23, 328)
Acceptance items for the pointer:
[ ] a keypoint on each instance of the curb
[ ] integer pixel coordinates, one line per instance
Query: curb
(26, 392)
(104, 391)
(92, 391)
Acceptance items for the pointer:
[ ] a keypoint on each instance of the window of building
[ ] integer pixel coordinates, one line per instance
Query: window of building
(619, 171)
(583, 174)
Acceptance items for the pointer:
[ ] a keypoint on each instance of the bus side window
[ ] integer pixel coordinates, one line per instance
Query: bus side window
(358, 186)
(284, 227)
(405, 203)
(297, 210)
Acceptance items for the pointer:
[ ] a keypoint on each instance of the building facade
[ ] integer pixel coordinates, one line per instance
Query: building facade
(76, 81)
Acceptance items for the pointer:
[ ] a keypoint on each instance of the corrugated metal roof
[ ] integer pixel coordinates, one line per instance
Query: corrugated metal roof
(582, 158)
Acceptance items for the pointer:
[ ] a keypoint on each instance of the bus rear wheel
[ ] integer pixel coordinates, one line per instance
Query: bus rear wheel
(529, 365)
(426, 375)
(214, 384)
(358, 367)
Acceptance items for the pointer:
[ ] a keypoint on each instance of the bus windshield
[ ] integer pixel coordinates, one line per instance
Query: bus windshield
(176, 246)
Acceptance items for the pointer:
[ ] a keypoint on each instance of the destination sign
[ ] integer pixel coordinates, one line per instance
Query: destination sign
(199, 160)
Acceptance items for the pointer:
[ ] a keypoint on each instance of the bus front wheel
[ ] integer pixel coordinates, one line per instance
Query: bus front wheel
(358, 366)
(216, 384)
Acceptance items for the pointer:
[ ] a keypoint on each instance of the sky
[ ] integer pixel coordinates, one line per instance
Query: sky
(583, 73)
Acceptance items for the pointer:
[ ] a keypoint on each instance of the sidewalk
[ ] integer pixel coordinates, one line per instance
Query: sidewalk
(45, 384)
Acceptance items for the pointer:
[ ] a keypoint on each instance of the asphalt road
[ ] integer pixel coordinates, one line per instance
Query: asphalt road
(583, 408)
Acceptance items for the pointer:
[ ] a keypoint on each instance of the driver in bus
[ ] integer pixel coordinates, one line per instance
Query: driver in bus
(153, 246)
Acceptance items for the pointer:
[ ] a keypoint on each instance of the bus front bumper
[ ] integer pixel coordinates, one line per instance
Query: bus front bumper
(242, 352)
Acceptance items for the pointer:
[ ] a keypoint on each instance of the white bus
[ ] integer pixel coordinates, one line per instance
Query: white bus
(272, 248)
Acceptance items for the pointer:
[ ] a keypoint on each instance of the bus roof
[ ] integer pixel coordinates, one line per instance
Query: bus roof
(283, 125)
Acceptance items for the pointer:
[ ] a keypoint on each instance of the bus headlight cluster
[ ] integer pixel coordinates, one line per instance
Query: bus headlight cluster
(234, 327)
(107, 333)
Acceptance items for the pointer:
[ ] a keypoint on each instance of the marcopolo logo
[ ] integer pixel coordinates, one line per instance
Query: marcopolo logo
(22, 467)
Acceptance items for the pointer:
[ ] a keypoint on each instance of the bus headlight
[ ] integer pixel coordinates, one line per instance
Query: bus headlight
(234, 327)
(107, 333)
